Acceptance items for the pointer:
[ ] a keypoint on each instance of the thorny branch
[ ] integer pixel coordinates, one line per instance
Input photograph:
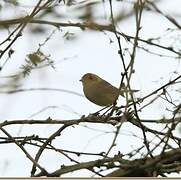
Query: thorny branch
(168, 144)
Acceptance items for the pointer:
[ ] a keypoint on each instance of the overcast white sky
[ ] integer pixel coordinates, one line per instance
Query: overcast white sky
(89, 52)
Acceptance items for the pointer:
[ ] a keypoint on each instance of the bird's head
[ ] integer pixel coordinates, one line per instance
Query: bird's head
(89, 79)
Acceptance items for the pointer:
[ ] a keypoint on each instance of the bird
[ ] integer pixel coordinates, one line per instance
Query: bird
(99, 91)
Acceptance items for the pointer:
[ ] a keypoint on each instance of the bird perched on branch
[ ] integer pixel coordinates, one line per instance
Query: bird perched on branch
(99, 91)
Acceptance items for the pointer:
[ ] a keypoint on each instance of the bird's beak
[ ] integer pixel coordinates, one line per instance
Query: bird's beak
(80, 80)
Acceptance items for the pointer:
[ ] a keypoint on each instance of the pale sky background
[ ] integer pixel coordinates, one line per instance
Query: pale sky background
(90, 52)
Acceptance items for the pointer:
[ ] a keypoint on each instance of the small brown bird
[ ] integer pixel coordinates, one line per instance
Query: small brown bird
(99, 91)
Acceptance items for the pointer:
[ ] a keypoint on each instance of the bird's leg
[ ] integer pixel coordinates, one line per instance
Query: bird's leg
(107, 110)
(113, 108)
(97, 113)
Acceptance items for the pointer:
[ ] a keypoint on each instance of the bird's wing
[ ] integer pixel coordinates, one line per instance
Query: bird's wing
(108, 88)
